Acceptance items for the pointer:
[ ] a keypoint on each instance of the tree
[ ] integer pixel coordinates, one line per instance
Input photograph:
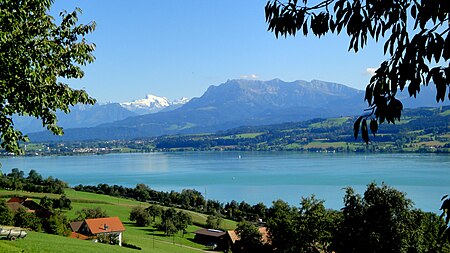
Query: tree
(6, 216)
(168, 221)
(24, 219)
(90, 213)
(213, 221)
(154, 210)
(314, 226)
(183, 220)
(383, 221)
(34, 177)
(62, 203)
(37, 55)
(416, 55)
(250, 238)
(56, 224)
(142, 192)
(140, 215)
(16, 173)
(46, 202)
(280, 221)
(309, 228)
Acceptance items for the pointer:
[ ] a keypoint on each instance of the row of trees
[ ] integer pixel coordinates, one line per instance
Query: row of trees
(382, 220)
(171, 220)
(188, 199)
(34, 182)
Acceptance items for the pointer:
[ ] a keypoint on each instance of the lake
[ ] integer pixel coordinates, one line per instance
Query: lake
(254, 176)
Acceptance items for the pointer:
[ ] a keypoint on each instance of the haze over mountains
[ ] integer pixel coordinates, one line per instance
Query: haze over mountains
(231, 104)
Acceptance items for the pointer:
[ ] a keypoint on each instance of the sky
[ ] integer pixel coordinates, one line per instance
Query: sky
(179, 48)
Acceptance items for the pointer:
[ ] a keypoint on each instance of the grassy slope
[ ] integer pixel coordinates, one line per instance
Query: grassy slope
(147, 238)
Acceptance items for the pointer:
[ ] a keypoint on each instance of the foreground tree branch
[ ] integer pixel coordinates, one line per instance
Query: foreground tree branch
(417, 55)
(36, 56)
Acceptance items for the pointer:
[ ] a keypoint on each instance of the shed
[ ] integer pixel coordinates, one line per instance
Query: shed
(211, 237)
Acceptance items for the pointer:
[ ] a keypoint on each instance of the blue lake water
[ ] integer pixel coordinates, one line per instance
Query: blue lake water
(255, 176)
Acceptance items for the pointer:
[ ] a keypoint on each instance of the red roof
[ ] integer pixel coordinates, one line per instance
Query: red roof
(78, 236)
(105, 225)
(16, 200)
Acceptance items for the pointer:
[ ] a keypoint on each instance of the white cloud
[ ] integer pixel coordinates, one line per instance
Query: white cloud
(370, 71)
(251, 76)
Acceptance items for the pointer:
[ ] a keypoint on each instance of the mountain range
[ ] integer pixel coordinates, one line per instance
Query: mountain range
(94, 115)
(232, 104)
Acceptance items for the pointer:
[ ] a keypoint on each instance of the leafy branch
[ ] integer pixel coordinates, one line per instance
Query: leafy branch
(412, 62)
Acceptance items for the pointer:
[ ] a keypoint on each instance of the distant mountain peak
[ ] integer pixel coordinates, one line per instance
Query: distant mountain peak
(152, 104)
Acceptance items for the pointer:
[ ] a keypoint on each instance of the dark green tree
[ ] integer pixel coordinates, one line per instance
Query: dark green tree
(154, 211)
(383, 221)
(90, 213)
(309, 228)
(280, 223)
(62, 203)
(192, 199)
(46, 202)
(314, 226)
(56, 224)
(259, 210)
(214, 221)
(34, 177)
(183, 220)
(168, 221)
(250, 238)
(6, 216)
(417, 45)
(37, 54)
(24, 219)
(142, 192)
(16, 174)
(140, 215)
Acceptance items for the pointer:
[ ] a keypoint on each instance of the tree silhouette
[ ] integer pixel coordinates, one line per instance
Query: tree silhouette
(417, 44)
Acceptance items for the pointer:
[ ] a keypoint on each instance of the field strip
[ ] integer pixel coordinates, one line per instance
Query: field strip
(184, 246)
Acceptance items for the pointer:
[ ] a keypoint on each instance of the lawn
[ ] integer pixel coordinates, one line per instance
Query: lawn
(43, 243)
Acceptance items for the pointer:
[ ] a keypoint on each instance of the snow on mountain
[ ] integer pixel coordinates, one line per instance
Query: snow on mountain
(152, 104)
(180, 101)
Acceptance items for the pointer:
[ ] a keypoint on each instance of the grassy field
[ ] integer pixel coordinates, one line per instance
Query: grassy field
(148, 238)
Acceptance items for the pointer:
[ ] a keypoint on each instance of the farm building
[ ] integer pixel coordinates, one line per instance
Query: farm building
(104, 229)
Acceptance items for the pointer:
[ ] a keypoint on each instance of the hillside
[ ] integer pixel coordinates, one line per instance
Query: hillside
(147, 238)
(420, 130)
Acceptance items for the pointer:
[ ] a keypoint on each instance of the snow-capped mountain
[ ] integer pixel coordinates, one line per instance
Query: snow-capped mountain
(153, 104)
(180, 101)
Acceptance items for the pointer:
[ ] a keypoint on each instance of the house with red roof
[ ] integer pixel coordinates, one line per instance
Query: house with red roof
(105, 229)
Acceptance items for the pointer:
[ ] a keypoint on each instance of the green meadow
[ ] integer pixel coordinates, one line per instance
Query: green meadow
(147, 238)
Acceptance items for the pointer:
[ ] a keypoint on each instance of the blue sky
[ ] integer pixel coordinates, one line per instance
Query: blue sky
(180, 48)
